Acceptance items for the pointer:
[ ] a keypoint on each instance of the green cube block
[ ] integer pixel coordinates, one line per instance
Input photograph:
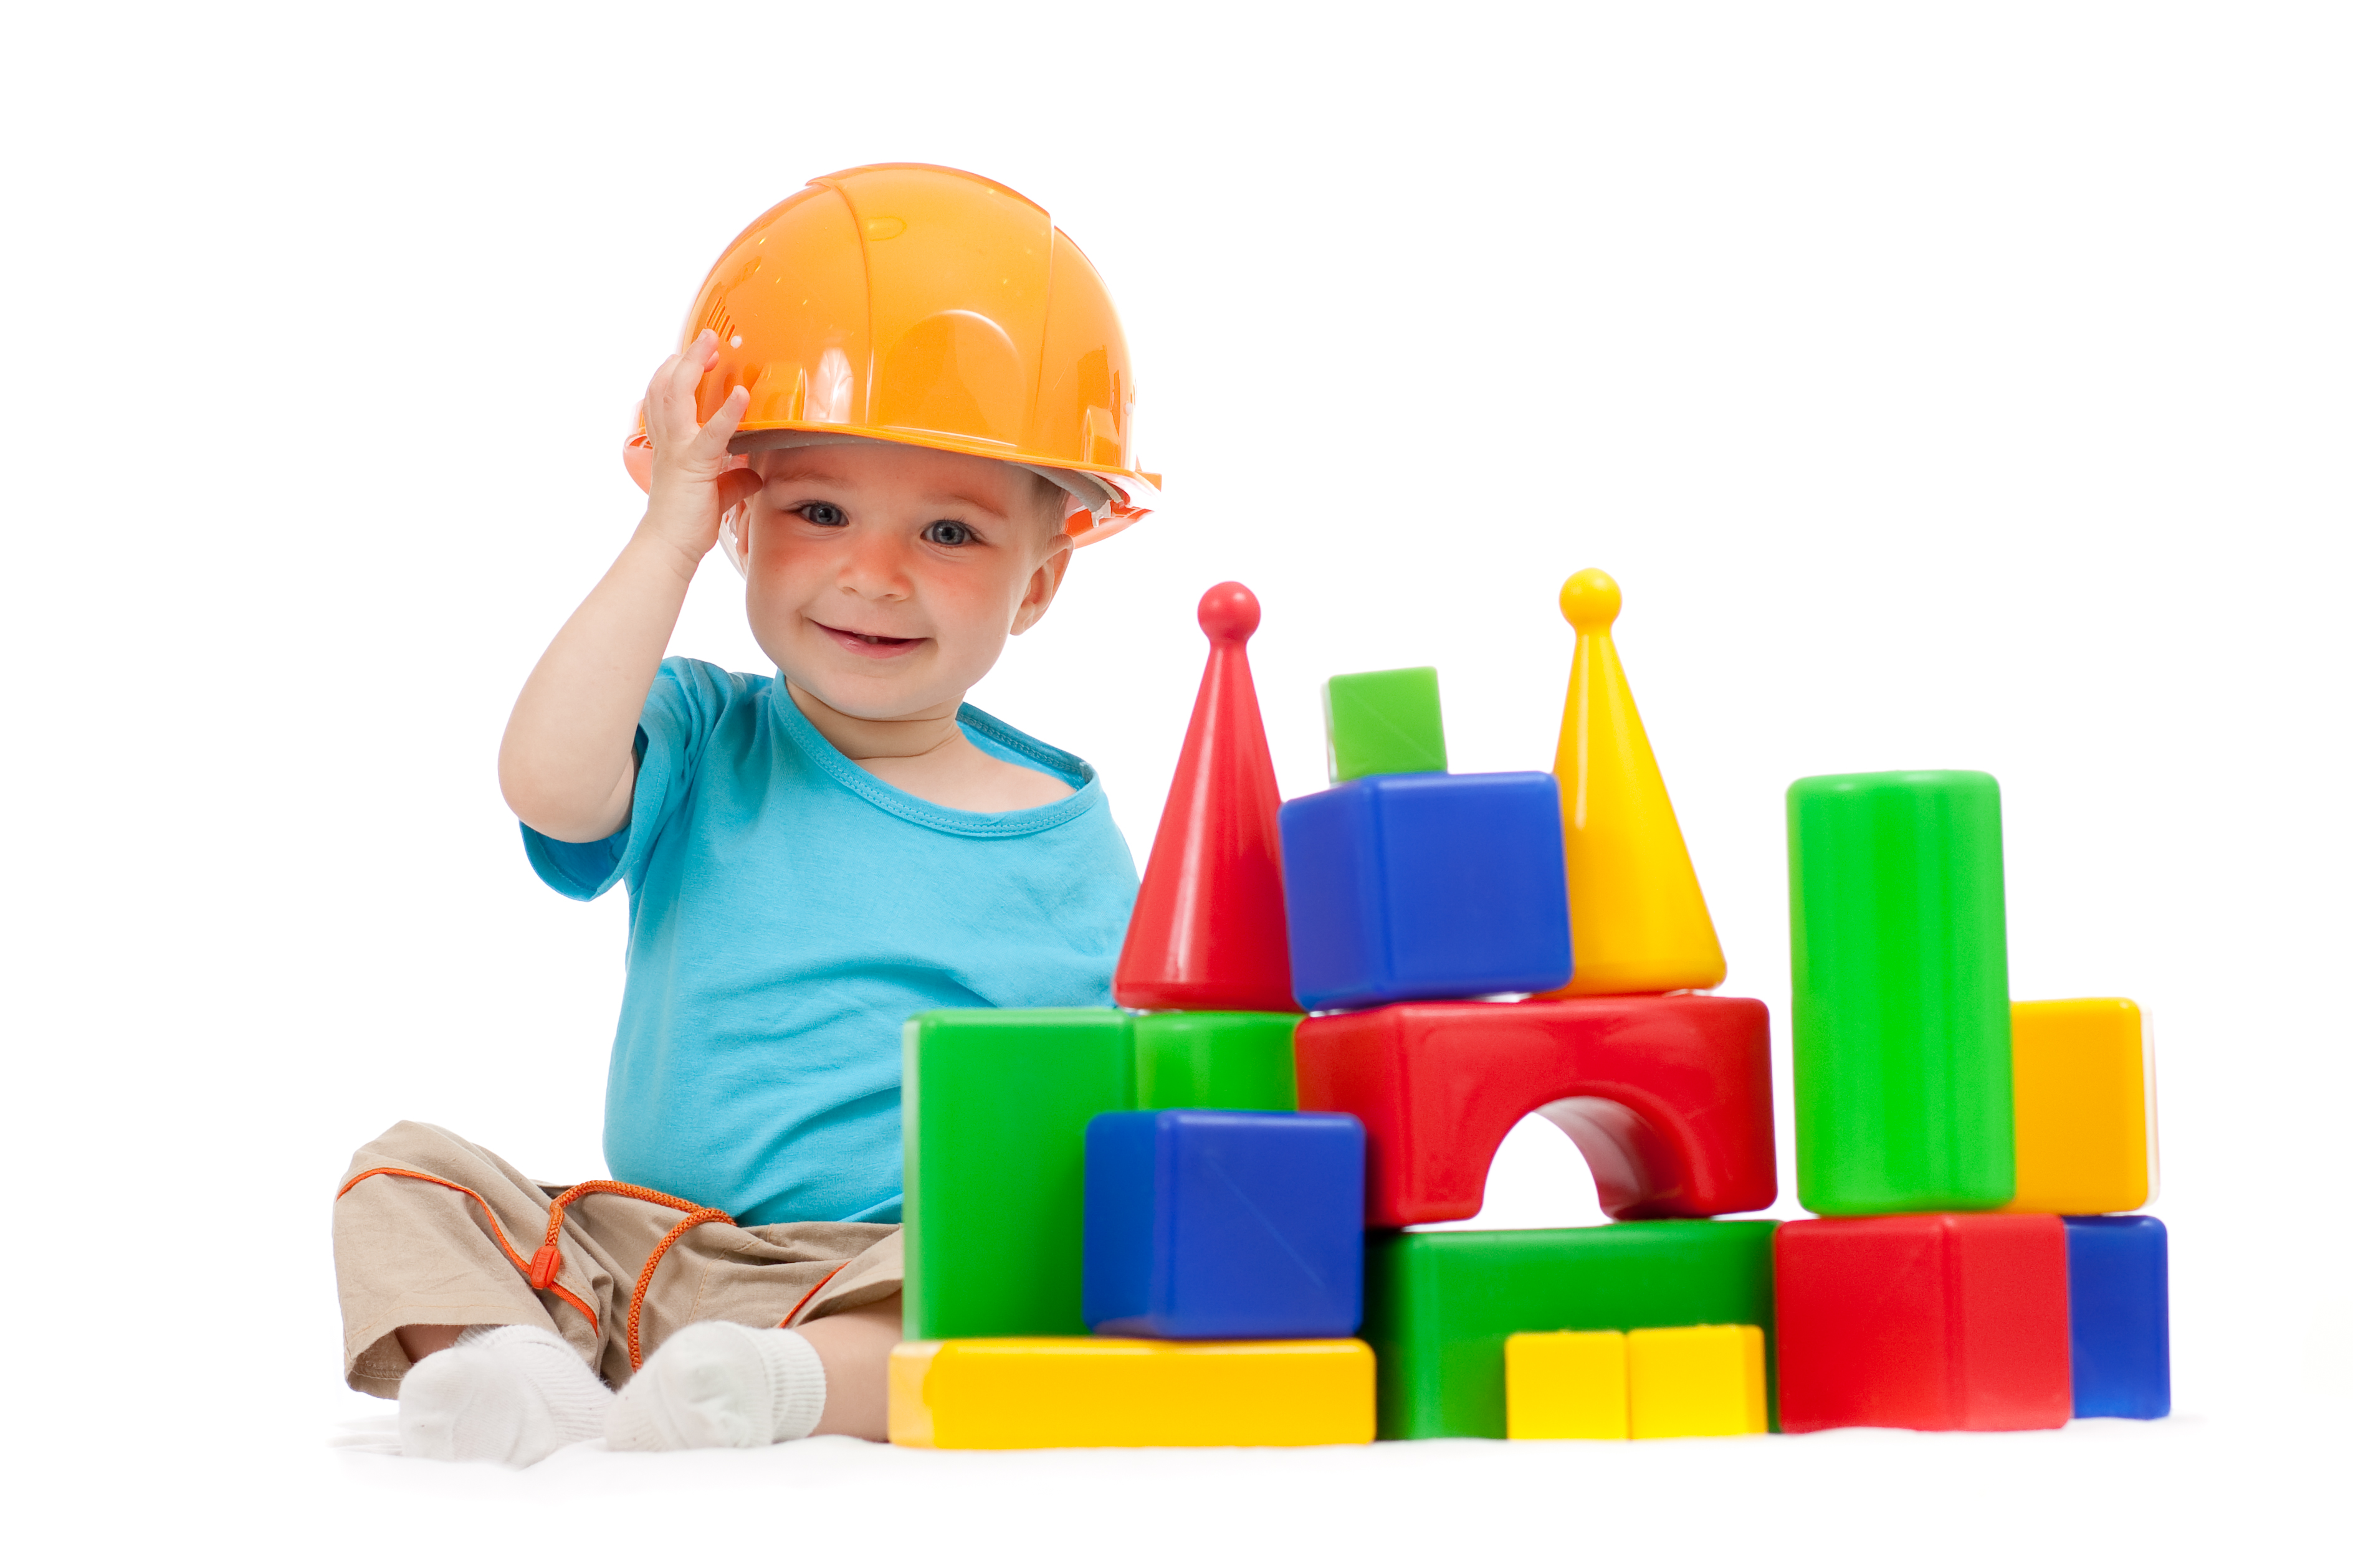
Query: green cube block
(1383, 721)
(1439, 1304)
(995, 1105)
(1899, 972)
(1221, 1061)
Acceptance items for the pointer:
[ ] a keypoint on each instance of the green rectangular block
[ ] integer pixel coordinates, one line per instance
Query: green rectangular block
(1899, 974)
(1439, 1304)
(995, 1105)
(1383, 721)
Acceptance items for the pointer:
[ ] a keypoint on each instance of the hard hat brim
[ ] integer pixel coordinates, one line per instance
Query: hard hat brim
(1129, 494)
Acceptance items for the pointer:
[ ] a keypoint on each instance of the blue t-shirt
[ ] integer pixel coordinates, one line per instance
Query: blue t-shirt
(789, 912)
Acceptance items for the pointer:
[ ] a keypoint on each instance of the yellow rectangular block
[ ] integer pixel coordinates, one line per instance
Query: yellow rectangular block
(1568, 1385)
(1705, 1381)
(2084, 1086)
(1130, 1393)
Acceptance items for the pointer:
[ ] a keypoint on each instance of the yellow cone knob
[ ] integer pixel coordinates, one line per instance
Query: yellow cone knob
(1636, 922)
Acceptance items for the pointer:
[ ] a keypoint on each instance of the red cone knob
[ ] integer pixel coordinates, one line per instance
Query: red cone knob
(1230, 613)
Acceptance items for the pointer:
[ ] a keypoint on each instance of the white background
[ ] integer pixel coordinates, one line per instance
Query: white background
(1963, 387)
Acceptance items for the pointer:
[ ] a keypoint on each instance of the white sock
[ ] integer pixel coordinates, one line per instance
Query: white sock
(721, 1385)
(512, 1393)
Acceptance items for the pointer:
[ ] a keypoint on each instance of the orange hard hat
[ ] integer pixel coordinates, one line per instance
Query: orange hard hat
(912, 303)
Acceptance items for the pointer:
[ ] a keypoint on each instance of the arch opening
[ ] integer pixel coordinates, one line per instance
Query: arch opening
(1541, 1178)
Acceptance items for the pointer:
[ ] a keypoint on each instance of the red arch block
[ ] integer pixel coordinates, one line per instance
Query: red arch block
(1670, 1098)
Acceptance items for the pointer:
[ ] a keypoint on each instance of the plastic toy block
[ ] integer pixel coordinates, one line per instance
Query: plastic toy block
(2116, 1316)
(1384, 722)
(1900, 989)
(1938, 1322)
(1705, 1381)
(1571, 1383)
(1237, 1061)
(1670, 1098)
(1412, 886)
(2084, 1089)
(1225, 1225)
(1207, 931)
(995, 1105)
(1636, 919)
(1439, 1304)
(1126, 1394)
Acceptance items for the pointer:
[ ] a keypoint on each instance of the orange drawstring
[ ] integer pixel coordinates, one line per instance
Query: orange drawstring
(541, 1270)
(547, 1259)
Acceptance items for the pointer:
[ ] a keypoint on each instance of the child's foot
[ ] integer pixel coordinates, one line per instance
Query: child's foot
(513, 1395)
(721, 1385)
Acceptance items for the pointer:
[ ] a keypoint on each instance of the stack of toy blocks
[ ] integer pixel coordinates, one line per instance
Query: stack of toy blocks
(1433, 917)
(1968, 1154)
(1143, 1171)
(1161, 1223)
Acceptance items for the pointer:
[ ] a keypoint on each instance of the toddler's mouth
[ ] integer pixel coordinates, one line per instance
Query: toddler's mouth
(866, 645)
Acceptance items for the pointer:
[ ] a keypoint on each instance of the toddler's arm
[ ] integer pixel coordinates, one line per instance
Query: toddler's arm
(567, 765)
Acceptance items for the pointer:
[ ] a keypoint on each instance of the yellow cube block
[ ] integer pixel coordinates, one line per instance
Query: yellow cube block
(1567, 1384)
(1130, 1393)
(2084, 1090)
(1706, 1382)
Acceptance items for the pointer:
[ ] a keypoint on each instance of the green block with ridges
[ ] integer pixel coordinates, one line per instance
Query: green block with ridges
(1899, 972)
(1383, 721)
(1214, 1061)
(995, 1105)
(1439, 1304)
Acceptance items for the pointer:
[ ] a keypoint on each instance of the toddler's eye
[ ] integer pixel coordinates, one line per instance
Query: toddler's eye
(947, 532)
(824, 513)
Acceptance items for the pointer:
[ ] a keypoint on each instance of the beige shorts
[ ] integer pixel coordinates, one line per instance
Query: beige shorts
(430, 1229)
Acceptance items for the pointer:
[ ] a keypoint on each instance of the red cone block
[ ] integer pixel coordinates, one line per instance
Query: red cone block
(1208, 932)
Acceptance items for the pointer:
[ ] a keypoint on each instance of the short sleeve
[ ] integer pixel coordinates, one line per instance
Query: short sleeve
(681, 709)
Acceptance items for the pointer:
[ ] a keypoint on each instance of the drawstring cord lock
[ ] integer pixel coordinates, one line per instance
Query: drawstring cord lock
(543, 1265)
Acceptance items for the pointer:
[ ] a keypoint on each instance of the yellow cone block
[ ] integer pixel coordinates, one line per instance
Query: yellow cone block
(1706, 1382)
(1570, 1385)
(2083, 1096)
(1636, 922)
(1130, 1393)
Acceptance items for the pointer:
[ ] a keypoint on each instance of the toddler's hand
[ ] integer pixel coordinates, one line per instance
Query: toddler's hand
(694, 478)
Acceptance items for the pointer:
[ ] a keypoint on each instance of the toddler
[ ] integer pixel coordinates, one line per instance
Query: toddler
(904, 399)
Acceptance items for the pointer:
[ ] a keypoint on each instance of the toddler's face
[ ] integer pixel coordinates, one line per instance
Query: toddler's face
(883, 580)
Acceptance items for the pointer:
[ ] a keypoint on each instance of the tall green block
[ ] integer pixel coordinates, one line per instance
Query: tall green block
(1383, 721)
(1439, 1304)
(995, 1105)
(1223, 1061)
(1899, 974)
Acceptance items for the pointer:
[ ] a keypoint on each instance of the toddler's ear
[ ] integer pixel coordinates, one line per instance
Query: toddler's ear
(1044, 583)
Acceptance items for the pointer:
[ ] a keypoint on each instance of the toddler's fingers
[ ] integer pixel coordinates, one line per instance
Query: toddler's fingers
(717, 430)
(661, 403)
(692, 363)
(737, 486)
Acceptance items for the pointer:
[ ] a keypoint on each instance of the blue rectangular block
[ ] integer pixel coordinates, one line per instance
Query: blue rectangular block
(2116, 1316)
(1419, 887)
(1225, 1225)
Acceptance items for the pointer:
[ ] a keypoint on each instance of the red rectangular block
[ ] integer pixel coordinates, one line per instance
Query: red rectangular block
(1937, 1322)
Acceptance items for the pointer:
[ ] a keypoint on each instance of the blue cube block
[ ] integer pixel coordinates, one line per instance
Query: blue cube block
(2116, 1316)
(1417, 886)
(1224, 1225)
